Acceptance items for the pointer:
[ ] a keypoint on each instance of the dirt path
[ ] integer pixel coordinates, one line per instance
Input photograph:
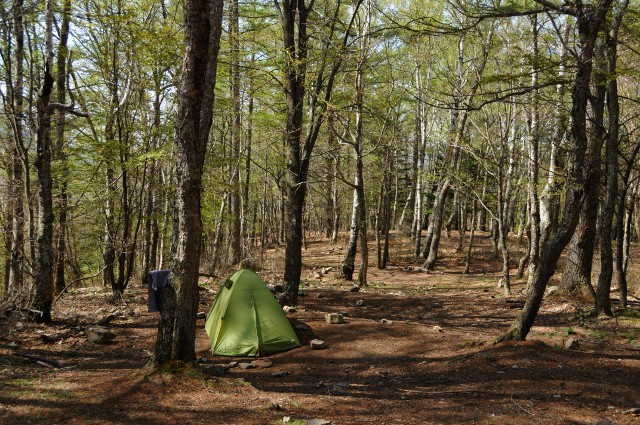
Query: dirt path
(415, 349)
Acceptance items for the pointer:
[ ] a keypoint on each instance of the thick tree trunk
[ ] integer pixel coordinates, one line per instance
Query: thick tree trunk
(603, 292)
(349, 260)
(576, 278)
(179, 301)
(59, 154)
(293, 18)
(43, 278)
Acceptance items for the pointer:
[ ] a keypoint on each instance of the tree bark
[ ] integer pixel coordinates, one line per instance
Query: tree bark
(603, 292)
(16, 285)
(472, 230)
(43, 277)
(59, 155)
(236, 195)
(533, 120)
(576, 278)
(179, 301)
(293, 19)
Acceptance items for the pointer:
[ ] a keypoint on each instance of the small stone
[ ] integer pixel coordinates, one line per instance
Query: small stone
(201, 315)
(246, 366)
(286, 419)
(355, 289)
(634, 411)
(386, 321)
(551, 290)
(317, 275)
(302, 294)
(288, 309)
(262, 363)
(318, 422)
(232, 364)
(214, 369)
(437, 328)
(326, 270)
(319, 296)
(317, 344)
(334, 318)
(571, 344)
(19, 326)
(279, 374)
(359, 303)
(203, 359)
(99, 334)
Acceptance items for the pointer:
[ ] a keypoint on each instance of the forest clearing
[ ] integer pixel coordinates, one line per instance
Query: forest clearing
(418, 350)
(443, 195)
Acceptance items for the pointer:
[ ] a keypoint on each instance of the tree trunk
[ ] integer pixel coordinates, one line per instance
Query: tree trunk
(577, 274)
(474, 215)
(533, 120)
(179, 301)
(59, 154)
(293, 18)
(236, 196)
(622, 227)
(247, 232)
(16, 285)
(550, 197)
(457, 128)
(603, 292)
(43, 278)
(624, 242)
(419, 154)
(348, 263)
(328, 175)
(589, 21)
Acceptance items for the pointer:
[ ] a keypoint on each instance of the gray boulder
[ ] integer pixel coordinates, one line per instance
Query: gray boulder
(99, 334)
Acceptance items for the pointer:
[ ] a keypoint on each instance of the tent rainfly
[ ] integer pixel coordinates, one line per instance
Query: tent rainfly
(246, 320)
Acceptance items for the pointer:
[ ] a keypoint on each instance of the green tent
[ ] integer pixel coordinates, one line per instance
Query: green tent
(246, 320)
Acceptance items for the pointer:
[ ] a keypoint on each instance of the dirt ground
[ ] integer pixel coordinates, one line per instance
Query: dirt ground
(416, 348)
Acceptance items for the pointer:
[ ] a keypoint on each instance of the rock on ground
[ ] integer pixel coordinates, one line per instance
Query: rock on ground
(99, 334)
